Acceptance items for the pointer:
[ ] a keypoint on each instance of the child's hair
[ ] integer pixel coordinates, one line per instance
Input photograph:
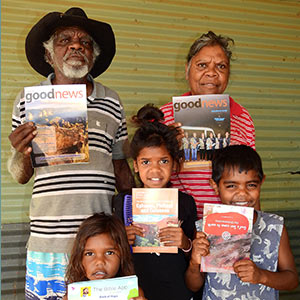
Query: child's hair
(237, 156)
(153, 133)
(97, 224)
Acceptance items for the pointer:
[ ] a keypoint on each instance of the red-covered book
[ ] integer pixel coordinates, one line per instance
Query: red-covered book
(229, 231)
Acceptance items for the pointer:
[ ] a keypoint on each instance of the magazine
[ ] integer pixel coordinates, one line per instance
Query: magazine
(119, 288)
(205, 120)
(229, 231)
(152, 209)
(60, 114)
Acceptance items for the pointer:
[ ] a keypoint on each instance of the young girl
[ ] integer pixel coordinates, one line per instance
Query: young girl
(100, 251)
(156, 153)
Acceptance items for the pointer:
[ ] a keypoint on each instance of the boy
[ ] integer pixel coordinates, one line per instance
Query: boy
(237, 177)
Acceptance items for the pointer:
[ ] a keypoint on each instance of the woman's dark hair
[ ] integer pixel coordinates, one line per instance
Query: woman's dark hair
(242, 157)
(99, 223)
(153, 133)
(211, 39)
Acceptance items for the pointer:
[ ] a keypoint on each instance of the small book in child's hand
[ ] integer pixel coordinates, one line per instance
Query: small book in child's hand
(119, 288)
(229, 231)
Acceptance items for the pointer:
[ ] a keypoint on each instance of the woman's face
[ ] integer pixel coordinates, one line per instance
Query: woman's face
(208, 72)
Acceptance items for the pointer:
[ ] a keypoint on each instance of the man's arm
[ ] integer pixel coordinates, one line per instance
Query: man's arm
(286, 278)
(123, 175)
(19, 164)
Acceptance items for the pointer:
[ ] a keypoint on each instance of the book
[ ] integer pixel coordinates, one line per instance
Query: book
(205, 120)
(229, 231)
(119, 288)
(152, 209)
(60, 114)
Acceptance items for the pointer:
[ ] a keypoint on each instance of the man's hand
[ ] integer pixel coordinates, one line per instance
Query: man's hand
(19, 164)
(22, 136)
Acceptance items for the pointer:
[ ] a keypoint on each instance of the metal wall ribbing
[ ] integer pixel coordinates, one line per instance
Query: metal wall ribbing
(153, 38)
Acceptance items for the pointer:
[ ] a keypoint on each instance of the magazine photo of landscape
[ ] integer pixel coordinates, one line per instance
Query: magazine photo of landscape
(62, 131)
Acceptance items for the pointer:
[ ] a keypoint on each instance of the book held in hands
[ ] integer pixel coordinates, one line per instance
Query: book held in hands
(229, 231)
(152, 209)
(60, 114)
(205, 120)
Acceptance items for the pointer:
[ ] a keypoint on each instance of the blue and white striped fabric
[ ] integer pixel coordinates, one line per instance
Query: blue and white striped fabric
(45, 275)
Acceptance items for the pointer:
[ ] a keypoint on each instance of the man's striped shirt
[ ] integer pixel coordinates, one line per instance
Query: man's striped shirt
(64, 195)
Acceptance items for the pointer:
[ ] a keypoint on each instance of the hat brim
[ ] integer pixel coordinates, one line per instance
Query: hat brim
(101, 32)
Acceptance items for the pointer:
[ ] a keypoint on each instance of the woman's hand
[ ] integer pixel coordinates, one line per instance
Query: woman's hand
(180, 134)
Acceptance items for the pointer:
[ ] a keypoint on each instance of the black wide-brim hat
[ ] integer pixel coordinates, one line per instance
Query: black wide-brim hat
(101, 32)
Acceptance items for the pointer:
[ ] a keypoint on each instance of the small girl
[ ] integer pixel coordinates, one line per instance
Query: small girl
(156, 153)
(100, 251)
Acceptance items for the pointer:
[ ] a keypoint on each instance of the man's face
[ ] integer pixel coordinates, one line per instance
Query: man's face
(72, 55)
(208, 71)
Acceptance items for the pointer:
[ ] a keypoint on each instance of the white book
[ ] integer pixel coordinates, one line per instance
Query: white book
(119, 288)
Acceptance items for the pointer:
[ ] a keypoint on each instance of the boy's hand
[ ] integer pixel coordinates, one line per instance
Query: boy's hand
(200, 248)
(132, 231)
(138, 298)
(247, 271)
(173, 236)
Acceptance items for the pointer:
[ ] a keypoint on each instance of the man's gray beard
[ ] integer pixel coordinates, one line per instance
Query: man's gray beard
(74, 72)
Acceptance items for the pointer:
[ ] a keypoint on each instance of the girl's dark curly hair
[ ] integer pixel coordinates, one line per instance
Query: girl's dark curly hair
(153, 133)
(99, 223)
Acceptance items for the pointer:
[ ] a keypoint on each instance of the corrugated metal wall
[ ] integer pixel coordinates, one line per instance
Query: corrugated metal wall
(153, 38)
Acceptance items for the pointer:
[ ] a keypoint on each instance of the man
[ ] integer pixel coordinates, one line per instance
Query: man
(69, 48)
(186, 146)
(194, 143)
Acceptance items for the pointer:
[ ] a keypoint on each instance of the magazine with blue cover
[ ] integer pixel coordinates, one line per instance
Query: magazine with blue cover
(205, 120)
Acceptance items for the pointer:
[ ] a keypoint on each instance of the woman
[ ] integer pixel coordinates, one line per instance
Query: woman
(207, 72)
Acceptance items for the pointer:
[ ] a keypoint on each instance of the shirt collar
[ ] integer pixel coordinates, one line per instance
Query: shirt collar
(48, 81)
